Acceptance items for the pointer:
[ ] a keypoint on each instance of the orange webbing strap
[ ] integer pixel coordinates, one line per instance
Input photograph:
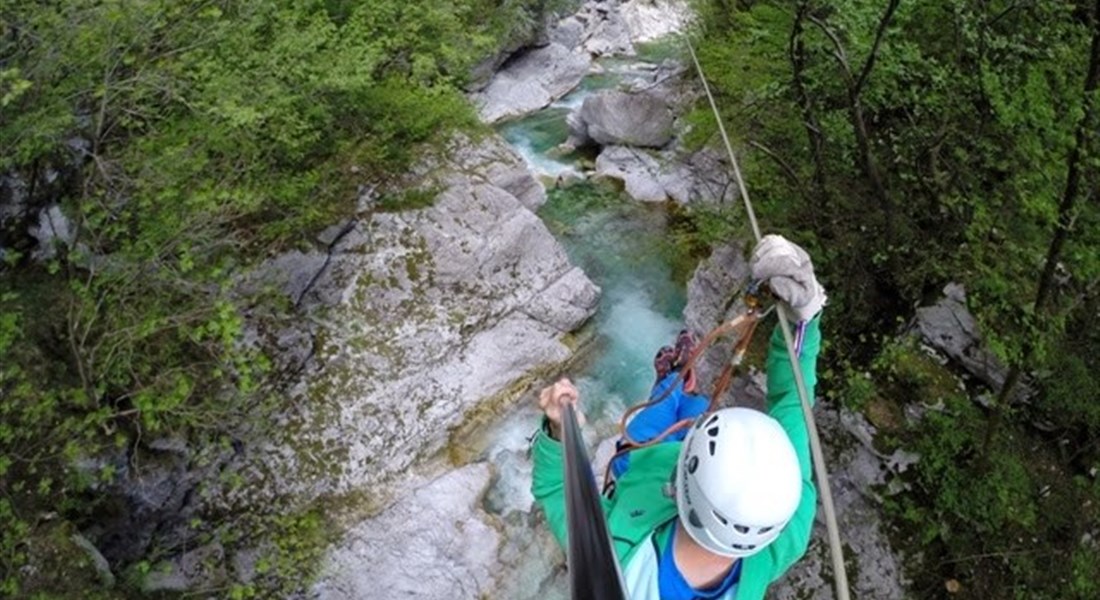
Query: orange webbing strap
(745, 324)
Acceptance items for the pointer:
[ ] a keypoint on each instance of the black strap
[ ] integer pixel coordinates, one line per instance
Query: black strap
(594, 572)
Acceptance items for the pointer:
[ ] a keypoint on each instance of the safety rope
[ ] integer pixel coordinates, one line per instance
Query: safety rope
(820, 472)
(745, 324)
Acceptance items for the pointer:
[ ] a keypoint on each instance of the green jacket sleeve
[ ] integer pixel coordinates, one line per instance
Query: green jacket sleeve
(548, 482)
(785, 406)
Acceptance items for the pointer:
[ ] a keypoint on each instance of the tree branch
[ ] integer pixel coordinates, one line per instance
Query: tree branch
(784, 165)
(796, 50)
(838, 48)
(869, 64)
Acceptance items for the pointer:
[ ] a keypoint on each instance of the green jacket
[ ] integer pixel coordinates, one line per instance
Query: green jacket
(640, 505)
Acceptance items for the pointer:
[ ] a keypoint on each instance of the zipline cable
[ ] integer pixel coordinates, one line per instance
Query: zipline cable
(820, 472)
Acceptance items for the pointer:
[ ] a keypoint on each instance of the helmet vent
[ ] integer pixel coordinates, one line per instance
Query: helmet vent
(712, 420)
(713, 431)
(744, 546)
(741, 529)
(712, 447)
(694, 519)
(693, 463)
(764, 530)
(720, 517)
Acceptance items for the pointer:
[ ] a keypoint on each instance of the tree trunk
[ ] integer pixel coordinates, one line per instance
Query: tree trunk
(797, 52)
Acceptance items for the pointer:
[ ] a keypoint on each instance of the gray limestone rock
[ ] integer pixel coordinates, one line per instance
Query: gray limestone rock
(856, 470)
(568, 32)
(415, 318)
(436, 542)
(647, 20)
(606, 32)
(645, 177)
(714, 297)
(566, 304)
(949, 327)
(53, 229)
(652, 176)
(531, 81)
(612, 117)
(494, 160)
(638, 171)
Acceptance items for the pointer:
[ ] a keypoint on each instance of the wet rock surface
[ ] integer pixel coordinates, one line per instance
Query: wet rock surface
(618, 118)
(530, 81)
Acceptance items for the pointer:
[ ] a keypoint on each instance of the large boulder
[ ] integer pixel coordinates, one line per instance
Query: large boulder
(666, 175)
(612, 118)
(647, 20)
(531, 81)
(950, 328)
(410, 320)
(436, 542)
(643, 175)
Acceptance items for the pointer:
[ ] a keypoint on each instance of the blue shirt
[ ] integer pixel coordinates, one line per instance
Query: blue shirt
(651, 421)
(673, 585)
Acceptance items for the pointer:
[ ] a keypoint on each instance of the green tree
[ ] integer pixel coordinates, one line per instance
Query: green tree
(916, 143)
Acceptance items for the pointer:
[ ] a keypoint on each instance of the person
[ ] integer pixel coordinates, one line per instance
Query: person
(725, 511)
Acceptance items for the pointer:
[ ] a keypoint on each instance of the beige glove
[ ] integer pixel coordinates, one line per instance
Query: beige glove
(552, 400)
(789, 273)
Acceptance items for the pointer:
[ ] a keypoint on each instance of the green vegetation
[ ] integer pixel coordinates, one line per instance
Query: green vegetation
(185, 142)
(910, 144)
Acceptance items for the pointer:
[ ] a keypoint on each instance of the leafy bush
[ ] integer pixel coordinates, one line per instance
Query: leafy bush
(194, 140)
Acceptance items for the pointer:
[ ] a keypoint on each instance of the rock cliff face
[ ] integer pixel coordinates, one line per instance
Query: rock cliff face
(415, 317)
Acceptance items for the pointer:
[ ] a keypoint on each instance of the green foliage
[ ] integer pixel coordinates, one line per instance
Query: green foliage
(1000, 521)
(194, 140)
(408, 200)
(944, 159)
(565, 205)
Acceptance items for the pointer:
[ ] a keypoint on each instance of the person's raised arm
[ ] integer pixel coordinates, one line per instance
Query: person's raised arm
(789, 273)
(547, 482)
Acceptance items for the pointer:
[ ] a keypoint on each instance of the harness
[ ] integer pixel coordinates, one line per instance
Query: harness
(741, 328)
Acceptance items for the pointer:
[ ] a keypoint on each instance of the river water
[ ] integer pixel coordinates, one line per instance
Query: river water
(623, 246)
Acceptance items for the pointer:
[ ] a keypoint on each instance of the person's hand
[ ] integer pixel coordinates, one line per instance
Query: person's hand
(552, 401)
(790, 274)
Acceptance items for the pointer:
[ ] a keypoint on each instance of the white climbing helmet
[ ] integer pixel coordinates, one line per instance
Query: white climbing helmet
(738, 481)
